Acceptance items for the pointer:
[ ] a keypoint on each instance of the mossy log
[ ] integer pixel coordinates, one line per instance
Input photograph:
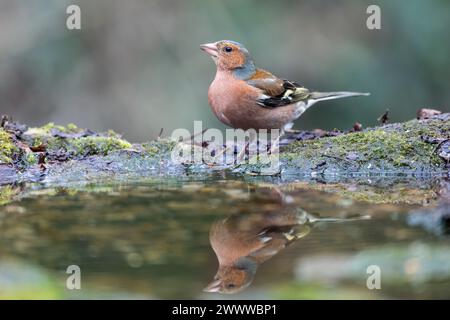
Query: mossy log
(55, 154)
(413, 147)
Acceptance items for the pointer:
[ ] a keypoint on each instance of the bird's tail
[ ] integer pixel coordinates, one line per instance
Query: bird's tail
(322, 96)
(314, 219)
(313, 97)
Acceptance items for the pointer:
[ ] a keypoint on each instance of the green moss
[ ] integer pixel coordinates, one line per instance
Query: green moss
(97, 145)
(7, 147)
(158, 147)
(398, 145)
(76, 146)
(7, 194)
(41, 134)
(31, 159)
(70, 128)
(392, 148)
(37, 142)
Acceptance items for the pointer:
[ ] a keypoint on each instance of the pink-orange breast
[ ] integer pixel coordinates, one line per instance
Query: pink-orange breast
(234, 102)
(230, 243)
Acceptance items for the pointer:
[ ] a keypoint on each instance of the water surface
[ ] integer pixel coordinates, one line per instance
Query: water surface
(151, 239)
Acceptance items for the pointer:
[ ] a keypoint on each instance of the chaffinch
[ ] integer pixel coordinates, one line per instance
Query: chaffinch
(245, 97)
(242, 242)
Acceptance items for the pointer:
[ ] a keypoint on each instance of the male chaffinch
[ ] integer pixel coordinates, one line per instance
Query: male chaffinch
(242, 242)
(245, 97)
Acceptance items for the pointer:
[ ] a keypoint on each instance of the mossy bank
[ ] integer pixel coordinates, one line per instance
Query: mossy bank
(69, 153)
(409, 147)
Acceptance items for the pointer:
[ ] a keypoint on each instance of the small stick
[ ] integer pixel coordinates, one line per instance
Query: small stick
(160, 133)
(4, 121)
(438, 146)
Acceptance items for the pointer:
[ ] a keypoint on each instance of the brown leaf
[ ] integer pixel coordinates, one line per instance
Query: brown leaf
(39, 148)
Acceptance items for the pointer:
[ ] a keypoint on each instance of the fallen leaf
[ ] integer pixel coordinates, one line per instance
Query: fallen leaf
(40, 148)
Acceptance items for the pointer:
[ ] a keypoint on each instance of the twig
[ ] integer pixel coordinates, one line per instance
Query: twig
(160, 133)
(4, 120)
(384, 118)
(438, 146)
(194, 135)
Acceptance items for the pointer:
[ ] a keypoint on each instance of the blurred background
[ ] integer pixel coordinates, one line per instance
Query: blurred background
(136, 67)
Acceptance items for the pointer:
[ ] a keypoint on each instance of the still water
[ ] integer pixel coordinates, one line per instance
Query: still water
(158, 238)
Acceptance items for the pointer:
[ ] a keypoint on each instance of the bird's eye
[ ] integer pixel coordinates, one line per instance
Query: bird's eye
(230, 286)
(227, 49)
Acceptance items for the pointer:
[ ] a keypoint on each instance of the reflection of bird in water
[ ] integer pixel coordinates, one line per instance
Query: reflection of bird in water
(242, 242)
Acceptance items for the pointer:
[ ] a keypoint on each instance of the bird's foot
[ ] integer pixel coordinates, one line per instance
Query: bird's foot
(275, 146)
(218, 159)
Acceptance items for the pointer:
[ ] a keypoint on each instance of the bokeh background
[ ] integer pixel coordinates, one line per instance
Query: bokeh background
(136, 67)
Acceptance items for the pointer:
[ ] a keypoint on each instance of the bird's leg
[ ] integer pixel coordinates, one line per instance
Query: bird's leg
(220, 154)
(275, 144)
(252, 136)
(265, 154)
(241, 154)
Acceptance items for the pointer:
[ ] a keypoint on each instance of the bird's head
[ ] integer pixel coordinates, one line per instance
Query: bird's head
(233, 279)
(229, 280)
(229, 55)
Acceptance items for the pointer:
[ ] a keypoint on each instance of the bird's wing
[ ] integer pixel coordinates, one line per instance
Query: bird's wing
(277, 92)
(273, 239)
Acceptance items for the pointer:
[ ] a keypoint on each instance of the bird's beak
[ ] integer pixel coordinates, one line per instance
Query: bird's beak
(210, 48)
(214, 286)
